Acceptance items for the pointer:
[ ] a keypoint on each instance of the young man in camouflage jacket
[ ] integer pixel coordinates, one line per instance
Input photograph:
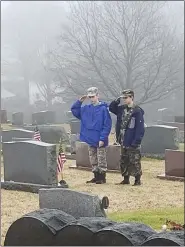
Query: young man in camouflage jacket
(130, 131)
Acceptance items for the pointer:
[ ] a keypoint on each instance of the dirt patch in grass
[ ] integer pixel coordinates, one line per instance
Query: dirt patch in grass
(154, 193)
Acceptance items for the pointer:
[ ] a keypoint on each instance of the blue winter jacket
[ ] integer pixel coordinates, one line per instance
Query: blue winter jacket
(96, 122)
(135, 131)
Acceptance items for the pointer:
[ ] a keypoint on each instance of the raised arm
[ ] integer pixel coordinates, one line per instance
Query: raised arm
(76, 109)
(113, 107)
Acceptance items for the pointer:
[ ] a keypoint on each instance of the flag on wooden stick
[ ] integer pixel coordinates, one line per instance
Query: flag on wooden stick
(61, 159)
(37, 136)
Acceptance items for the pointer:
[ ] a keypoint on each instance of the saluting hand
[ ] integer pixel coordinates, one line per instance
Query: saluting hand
(84, 97)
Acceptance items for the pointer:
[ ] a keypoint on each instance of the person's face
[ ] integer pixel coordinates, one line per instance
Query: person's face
(127, 99)
(93, 99)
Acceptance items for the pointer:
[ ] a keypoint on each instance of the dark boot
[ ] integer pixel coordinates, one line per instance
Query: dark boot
(126, 180)
(93, 180)
(101, 179)
(137, 180)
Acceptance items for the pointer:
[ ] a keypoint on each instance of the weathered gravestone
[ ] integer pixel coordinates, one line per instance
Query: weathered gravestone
(77, 204)
(73, 139)
(50, 133)
(174, 165)
(28, 164)
(81, 231)
(174, 124)
(7, 135)
(179, 119)
(75, 127)
(18, 118)
(43, 117)
(123, 234)
(172, 238)
(82, 156)
(157, 138)
(70, 117)
(37, 228)
(3, 116)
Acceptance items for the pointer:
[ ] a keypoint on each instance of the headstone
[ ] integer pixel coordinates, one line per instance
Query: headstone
(18, 118)
(174, 165)
(81, 232)
(70, 117)
(37, 228)
(31, 162)
(43, 117)
(174, 124)
(77, 204)
(73, 139)
(166, 115)
(7, 135)
(172, 238)
(50, 133)
(82, 155)
(179, 119)
(157, 138)
(75, 127)
(3, 116)
(123, 234)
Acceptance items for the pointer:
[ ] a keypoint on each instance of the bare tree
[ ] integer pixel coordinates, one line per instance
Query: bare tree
(118, 45)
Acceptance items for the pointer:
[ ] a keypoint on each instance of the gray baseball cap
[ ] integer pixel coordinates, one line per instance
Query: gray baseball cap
(92, 91)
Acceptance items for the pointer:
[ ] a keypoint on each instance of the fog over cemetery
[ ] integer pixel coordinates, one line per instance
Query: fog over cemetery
(51, 53)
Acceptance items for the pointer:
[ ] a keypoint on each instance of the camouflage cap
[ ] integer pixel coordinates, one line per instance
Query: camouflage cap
(128, 92)
(92, 91)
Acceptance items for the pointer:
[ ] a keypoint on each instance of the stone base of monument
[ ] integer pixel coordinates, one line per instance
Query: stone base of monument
(37, 228)
(80, 232)
(172, 238)
(123, 234)
(77, 204)
(174, 165)
(27, 187)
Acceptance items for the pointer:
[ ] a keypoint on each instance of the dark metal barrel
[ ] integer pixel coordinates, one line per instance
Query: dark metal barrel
(123, 234)
(173, 238)
(80, 232)
(37, 228)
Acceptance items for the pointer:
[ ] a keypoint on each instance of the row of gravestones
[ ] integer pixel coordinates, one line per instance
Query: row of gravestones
(156, 140)
(71, 218)
(42, 117)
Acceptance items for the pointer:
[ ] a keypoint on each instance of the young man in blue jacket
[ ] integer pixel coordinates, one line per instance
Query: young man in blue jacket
(129, 133)
(96, 125)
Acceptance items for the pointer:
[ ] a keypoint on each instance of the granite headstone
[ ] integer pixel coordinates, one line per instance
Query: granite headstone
(7, 135)
(75, 127)
(3, 116)
(18, 118)
(30, 162)
(77, 204)
(43, 117)
(157, 138)
(51, 133)
(73, 139)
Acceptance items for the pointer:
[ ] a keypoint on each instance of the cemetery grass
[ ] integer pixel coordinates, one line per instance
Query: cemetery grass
(152, 203)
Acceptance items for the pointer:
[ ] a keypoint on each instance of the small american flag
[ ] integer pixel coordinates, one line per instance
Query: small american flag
(61, 159)
(37, 136)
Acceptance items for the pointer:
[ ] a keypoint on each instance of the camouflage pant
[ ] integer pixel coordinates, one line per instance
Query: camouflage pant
(130, 162)
(98, 159)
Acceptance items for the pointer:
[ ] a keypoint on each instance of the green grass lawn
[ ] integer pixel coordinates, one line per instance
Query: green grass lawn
(154, 218)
